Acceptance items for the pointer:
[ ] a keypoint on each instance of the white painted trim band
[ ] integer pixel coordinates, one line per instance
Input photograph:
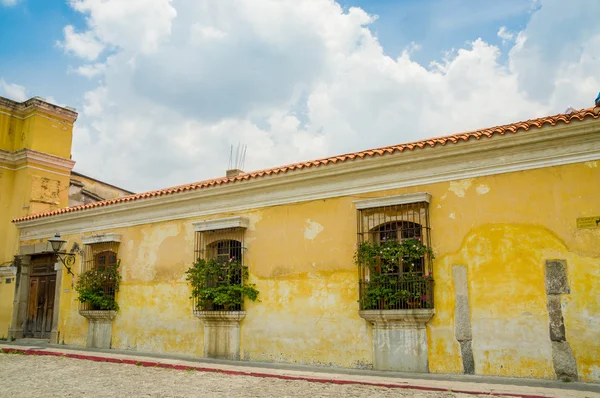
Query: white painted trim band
(101, 238)
(24, 156)
(408, 198)
(35, 168)
(220, 223)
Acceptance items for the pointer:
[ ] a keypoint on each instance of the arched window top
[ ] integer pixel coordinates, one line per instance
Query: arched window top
(221, 244)
(397, 230)
(225, 249)
(106, 258)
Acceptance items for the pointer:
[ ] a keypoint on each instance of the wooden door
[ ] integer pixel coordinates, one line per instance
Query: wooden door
(40, 304)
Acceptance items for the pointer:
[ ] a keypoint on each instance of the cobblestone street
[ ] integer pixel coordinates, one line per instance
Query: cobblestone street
(35, 376)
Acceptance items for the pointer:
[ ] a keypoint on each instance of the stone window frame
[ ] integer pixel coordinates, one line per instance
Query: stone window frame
(229, 233)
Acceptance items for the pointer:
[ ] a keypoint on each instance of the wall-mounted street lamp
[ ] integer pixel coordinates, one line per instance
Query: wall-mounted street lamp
(68, 259)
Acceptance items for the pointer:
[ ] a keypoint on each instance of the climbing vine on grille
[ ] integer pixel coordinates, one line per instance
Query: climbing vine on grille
(220, 285)
(97, 287)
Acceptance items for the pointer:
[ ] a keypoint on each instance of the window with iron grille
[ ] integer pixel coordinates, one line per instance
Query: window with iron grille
(394, 253)
(98, 281)
(219, 256)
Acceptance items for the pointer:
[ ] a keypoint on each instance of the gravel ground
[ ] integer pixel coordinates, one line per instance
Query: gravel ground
(35, 376)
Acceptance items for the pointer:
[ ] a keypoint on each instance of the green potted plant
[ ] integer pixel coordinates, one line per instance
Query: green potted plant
(394, 279)
(97, 288)
(220, 285)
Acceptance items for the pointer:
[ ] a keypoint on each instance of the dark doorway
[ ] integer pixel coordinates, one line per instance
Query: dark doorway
(40, 303)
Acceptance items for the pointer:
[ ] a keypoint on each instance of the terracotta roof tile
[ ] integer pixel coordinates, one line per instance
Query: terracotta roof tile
(430, 142)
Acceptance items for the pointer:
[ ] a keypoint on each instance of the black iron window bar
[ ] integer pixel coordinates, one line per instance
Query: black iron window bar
(404, 285)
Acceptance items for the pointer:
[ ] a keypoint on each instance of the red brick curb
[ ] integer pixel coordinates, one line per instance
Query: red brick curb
(254, 374)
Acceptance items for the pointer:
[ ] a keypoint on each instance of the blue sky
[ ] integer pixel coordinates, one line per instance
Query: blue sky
(440, 25)
(164, 87)
(29, 56)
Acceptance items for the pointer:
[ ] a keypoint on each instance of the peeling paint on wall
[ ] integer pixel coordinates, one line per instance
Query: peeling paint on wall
(154, 259)
(592, 164)
(312, 229)
(452, 216)
(45, 190)
(482, 189)
(460, 187)
(253, 219)
(507, 293)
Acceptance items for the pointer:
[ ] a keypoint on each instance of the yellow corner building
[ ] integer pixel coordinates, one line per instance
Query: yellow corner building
(35, 168)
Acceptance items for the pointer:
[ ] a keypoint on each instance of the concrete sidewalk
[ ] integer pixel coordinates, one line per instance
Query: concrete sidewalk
(468, 384)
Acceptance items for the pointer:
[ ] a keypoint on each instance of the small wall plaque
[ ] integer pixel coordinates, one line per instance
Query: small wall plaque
(588, 222)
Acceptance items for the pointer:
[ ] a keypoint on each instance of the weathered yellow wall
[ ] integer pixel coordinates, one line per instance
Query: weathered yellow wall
(301, 259)
(27, 191)
(502, 228)
(41, 132)
(6, 304)
(36, 130)
(158, 314)
(11, 129)
(8, 231)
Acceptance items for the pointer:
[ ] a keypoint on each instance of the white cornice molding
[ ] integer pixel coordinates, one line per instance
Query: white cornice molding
(404, 199)
(22, 110)
(101, 238)
(29, 156)
(220, 223)
(546, 147)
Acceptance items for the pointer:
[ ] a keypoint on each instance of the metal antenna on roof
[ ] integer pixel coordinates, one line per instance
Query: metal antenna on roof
(243, 157)
(237, 159)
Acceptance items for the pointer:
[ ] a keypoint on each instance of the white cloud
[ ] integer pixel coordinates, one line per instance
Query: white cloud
(133, 24)
(13, 91)
(91, 70)
(556, 55)
(9, 3)
(199, 33)
(84, 45)
(505, 35)
(95, 102)
(301, 79)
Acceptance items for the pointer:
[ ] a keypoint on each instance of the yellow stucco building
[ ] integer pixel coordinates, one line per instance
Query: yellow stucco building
(35, 167)
(504, 223)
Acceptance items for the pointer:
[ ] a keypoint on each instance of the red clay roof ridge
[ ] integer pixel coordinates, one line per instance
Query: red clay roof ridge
(381, 151)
